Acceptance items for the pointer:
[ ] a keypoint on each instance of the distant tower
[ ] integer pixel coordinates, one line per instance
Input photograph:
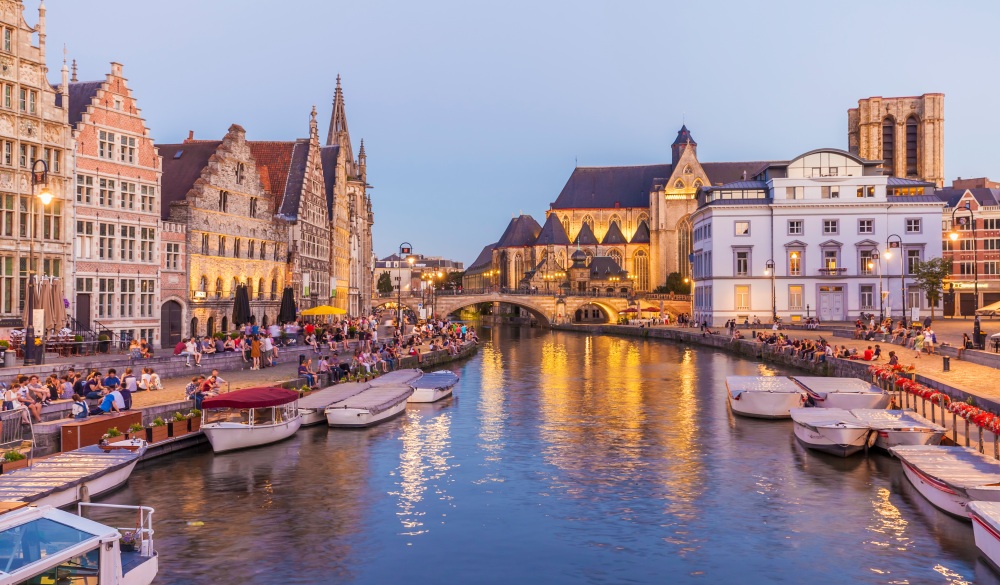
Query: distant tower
(681, 143)
(906, 133)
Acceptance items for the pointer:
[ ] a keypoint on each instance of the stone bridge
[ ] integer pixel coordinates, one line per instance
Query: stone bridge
(546, 308)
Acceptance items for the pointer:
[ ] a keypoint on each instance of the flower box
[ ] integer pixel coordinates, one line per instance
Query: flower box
(177, 428)
(155, 434)
(9, 466)
(194, 424)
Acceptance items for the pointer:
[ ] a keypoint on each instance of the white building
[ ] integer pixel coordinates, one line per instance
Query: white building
(837, 232)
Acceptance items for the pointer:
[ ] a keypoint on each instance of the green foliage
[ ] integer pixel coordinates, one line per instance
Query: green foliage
(135, 428)
(113, 432)
(930, 276)
(159, 422)
(13, 455)
(195, 413)
(675, 284)
(178, 417)
(78, 338)
(384, 284)
(103, 337)
(4, 344)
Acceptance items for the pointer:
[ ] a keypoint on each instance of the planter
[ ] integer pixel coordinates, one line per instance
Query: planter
(156, 434)
(103, 346)
(123, 437)
(9, 466)
(194, 424)
(127, 546)
(177, 428)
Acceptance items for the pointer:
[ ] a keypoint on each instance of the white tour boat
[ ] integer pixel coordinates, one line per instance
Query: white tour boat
(250, 417)
(42, 544)
(66, 478)
(763, 396)
(845, 393)
(950, 477)
(397, 377)
(985, 518)
(313, 407)
(831, 430)
(370, 407)
(900, 427)
(433, 387)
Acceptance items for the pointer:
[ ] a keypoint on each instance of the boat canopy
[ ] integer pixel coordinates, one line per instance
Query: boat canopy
(959, 467)
(825, 417)
(437, 380)
(252, 398)
(779, 384)
(822, 385)
(885, 420)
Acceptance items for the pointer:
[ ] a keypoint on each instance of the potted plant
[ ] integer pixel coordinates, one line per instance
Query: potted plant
(352, 331)
(179, 426)
(129, 541)
(303, 390)
(194, 420)
(12, 460)
(136, 431)
(103, 343)
(112, 435)
(157, 431)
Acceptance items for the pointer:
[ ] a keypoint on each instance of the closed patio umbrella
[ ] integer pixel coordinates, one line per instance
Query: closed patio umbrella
(45, 302)
(287, 312)
(59, 310)
(241, 306)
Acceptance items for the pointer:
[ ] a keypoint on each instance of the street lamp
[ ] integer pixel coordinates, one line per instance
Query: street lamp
(876, 263)
(897, 244)
(404, 248)
(769, 271)
(975, 258)
(45, 196)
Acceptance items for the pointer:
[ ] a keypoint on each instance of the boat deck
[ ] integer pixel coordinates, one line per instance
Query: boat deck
(822, 417)
(822, 385)
(327, 396)
(397, 378)
(775, 384)
(960, 467)
(60, 472)
(376, 399)
(886, 420)
(436, 380)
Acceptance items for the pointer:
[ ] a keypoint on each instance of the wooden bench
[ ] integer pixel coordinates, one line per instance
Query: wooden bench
(87, 432)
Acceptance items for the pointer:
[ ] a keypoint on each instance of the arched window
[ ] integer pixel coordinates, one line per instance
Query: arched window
(224, 201)
(260, 289)
(241, 172)
(203, 284)
(642, 218)
(615, 220)
(225, 324)
(640, 269)
(263, 250)
(697, 183)
(194, 326)
(250, 249)
(518, 271)
(237, 244)
(679, 184)
(687, 170)
(274, 289)
(253, 207)
(233, 287)
(565, 224)
(218, 287)
(912, 144)
(617, 257)
(889, 145)
(210, 326)
(222, 245)
(589, 221)
(277, 250)
(684, 247)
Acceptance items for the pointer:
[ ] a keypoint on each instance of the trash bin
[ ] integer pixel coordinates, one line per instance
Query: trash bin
(980, 341)
(8, 359)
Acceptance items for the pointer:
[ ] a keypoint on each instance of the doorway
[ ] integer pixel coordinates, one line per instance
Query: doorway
(170, 324)
(83, 310)
(831, 303)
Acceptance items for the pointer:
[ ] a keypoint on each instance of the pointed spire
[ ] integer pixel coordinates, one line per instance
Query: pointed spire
(74, 79)
(313, 126)
(338, 119)
(64, 86)
(361, 153)
(41, 31)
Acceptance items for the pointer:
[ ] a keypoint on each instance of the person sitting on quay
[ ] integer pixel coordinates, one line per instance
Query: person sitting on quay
(18, 398)
(69, 385)
(218, 345)
(145, 348)
(877, 354)
(129, 385)
(106, 406)
(218, 382)
(80, 410)
(229, 344)
(193, 390)
(869, 352)
(191, 351)
(54, 387)
(207, 346)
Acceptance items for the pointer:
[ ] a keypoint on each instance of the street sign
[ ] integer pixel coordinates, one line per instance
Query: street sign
(420, 305)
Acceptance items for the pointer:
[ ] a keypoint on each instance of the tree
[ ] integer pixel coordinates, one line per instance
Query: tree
(676, 284)
(929, 276)
(384, 283)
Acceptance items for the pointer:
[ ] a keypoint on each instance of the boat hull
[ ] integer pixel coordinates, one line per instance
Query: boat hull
(888, 438)
(227, 436)
(852, 400)
(839, 441)
(936, 492)
(361, 417)
(311, 416)
(142, 574)
(91, 487)
(986, 534)
(429, 394)
(765, 404)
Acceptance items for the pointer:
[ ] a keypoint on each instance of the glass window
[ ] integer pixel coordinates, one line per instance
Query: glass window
(867, 296)
(743, 228)
(742, 263)
(795, 297)
(795, 263)
(41, 538)
(831, 227)
(866, 226)
(913, 225)
(830, 259)
(795, 227)
(867, 263)
(912, 259)
(830, 192)
(742, 297)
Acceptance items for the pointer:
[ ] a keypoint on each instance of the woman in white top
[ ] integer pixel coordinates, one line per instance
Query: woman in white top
(154, 380)
(144, 380)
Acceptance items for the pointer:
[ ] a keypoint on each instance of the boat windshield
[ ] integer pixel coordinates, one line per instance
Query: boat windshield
(39, 539)
(260, 416)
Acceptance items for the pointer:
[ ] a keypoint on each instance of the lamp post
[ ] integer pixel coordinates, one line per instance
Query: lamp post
(769, 271)
(895, 242)
(876, 263)
(975, 255)
(404, 248)
(45, 196)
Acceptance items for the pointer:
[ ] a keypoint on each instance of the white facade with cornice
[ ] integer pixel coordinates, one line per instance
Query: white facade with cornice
(839, 235)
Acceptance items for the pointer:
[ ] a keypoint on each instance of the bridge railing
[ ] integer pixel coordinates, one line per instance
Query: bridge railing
(417, 294)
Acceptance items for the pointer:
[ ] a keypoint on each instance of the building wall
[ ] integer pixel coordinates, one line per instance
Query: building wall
(865, 133)
(117, 216)
(173, 281)
(975, 260)
(41, 128)
(313, 228)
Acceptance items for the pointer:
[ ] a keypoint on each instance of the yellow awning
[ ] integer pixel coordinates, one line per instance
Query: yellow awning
(324, 310)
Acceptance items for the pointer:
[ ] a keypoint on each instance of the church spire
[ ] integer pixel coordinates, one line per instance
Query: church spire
(338, 119)
(362, 161)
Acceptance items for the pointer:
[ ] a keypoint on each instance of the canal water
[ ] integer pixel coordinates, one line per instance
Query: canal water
(563, 458)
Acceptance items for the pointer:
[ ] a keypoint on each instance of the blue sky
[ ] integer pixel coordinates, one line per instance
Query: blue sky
(474, 111)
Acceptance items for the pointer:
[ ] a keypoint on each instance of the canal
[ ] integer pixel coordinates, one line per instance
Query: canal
(563, 458)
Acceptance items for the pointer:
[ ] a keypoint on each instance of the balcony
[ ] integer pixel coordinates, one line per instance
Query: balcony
(832, 271)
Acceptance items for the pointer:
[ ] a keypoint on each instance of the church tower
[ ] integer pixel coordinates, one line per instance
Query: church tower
(905, 133)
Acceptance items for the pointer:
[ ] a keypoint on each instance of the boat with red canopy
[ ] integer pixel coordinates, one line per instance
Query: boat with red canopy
(250, 417)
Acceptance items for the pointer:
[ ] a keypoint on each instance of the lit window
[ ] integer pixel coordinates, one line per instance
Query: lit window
(743, 228)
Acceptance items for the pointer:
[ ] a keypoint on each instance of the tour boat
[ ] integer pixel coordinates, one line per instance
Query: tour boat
(985, 518)
(250, 417)
(313, 407)
(831, 430)
(397, 378)
(899, 427)
(66, 478)
(763, 396)
(433, 387)
(43, 544)
(370, 407)
(950, 477)
(847, 393)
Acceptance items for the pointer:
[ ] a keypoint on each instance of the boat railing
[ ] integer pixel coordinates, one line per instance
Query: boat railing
(17, 437)
(143, 531)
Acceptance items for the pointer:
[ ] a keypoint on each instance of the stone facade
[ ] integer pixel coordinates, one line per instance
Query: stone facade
(214, 189)
(33, 126)
(174, 287)
(906, 133)
(117, 210)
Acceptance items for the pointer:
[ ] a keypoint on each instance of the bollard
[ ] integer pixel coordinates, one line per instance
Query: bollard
(954, 428)
(947, 363)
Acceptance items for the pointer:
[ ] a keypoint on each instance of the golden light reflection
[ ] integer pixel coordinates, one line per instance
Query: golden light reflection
(950, 576)
(491, 408)
(423, 462)
(888, 524)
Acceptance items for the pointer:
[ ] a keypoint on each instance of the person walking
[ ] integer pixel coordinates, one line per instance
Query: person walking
(255, 353)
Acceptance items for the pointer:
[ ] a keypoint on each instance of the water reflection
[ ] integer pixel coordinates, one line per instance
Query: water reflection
(423, 463)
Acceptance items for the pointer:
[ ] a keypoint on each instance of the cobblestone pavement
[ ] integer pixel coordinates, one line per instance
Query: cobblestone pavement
(173, 388)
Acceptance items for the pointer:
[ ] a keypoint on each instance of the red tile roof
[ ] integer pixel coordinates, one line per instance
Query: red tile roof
(276, 157)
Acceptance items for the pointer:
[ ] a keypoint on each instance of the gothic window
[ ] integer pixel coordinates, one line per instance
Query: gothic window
(222, 246)
(679, 184)
(518, 272)
(615, 220)
(684, 245)
(911, 146)
(237, 244)
(642, 218)
(250, 249)
(218, 287)
(241, 172)
(203, 284)
(640, 269)
(274, 289)
(687, 170)
(697, 183)
(233, 287)
(889, 145)
(260, 288)
(253, 207)
(224, 201)
(617, 257)
(263, 250)
(589, 221)
(565, 224)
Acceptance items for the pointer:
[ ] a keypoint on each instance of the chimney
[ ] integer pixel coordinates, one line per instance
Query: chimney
(190, 136)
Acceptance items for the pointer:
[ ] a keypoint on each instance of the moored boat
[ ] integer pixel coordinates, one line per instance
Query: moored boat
(370, 407)
(66, 478)
(845, 393)
(985, 518)
(830, 430)
(397, 377)
(899, 427)
(433, 387)
(950, 477)
(763, 396)
(313, 407)
(42, 544)
(250, 417)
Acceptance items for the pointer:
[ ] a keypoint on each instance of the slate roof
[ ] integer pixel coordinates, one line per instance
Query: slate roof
(614, 236)
(80, 96)
(483, 260)
(328, 157)
(182, 166)
(523, 230)
(684, 136)
(641, 235)
(552, 233)
(606, 187)
(586, 236)
(951, 197)
(604, 266)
